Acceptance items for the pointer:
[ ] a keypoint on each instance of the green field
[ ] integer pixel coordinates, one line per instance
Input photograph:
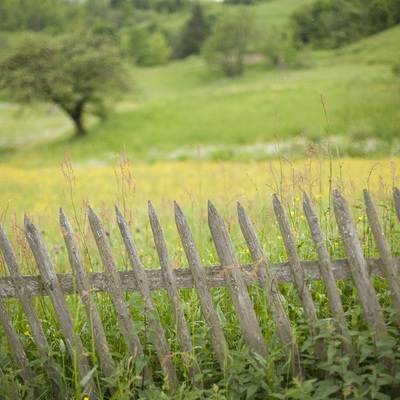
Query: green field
(184, 110)
(189, 134)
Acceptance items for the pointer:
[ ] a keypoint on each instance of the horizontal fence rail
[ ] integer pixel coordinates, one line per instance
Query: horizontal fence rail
(230, 273)
(279, 272)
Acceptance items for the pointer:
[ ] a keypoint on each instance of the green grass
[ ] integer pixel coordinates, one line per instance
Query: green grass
(206, 111)
(183, 106)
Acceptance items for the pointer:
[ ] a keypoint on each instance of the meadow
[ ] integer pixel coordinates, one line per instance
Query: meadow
(188, 134)
(191, 183)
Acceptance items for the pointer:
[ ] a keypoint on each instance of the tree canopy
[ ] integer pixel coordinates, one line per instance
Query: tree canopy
(78, 72)
(333, 23)
(228, 42)
(194, 32)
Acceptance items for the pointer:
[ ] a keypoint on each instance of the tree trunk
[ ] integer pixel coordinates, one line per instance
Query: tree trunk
(76, 115)
(79, 128)
(75, 112)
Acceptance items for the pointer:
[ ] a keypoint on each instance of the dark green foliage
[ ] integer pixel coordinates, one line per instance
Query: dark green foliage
(35, 15)
(148, 48)
(76, 72)
(229, 41)
(160, 5)
(245, 2)
(333, 23)
(281, 52)
(193, 33)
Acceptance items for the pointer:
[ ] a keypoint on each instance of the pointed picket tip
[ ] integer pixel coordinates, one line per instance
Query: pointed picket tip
(367, 198)
(309, 210)
(177, 208)
(337, 195)
(277, 204)
(119, 215)
(63, 218)
(306, 199)
(180, 217)
(2, 231)
(93, 217)
(396, 197)
(28, 224)
(91, 212)
(242, 215)
(213, 213)
(211, 206)
(151, 210)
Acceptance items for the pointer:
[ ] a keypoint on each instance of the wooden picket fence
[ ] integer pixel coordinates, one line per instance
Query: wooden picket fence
(230, 273)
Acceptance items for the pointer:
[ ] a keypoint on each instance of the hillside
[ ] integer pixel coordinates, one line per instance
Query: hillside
(183, 110)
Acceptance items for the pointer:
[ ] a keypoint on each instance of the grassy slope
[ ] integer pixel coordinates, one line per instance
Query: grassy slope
(185, 106)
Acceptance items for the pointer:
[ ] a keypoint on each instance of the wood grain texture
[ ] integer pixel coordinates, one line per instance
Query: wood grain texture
(235, 282)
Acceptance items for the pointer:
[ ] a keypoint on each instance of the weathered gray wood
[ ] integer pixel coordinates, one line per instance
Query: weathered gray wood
(53, 289)
(383, 248)
(365, 291)
(156, 328)
(19, 356)
(236, 284)
(299, 275)
(35, 326)
(396, 197)
(281, 319)
(85, 292)
(279, 272)
(200, 281)
(115, 286)
(329, 279)
(173, 293)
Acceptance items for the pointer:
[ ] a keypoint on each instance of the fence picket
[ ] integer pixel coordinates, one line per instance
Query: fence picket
(384, 252)
(20, 358)
(84, 290)
(359, 272)
(281, 319)
(332, 291)
(117, 294)
(156, 328)
(396, 198)
(200, 280)
(236, 284)
(173, 294)
(53, 289)
(299, 276)
(35, 326)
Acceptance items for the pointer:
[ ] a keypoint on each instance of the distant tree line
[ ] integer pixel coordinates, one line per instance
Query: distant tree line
(326, 24)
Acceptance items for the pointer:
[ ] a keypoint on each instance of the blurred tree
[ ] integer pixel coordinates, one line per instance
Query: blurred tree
(281, 52)
(77, 72)
(148, 48)
(161, 5)
(193, 33)
(34, 15)
(156, 52)
(333, 23)
(226, 47)
(246, 2)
